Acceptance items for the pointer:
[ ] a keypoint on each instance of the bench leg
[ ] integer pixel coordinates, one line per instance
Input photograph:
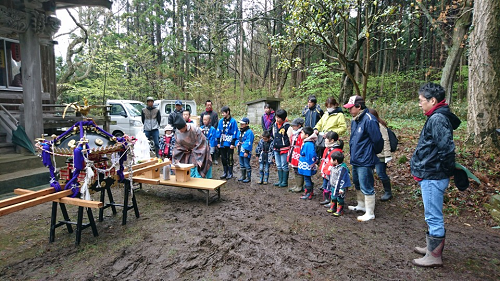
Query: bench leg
(101, 210)
(208, 196)
(66, 217)
(134, 203)
(126, 190)
(53, 219)
(92, 222)
(79, 226)
(111, 200)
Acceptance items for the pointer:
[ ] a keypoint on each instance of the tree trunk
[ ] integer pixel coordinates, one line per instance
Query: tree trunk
(484, 74)
(242, 83)
(457, 48)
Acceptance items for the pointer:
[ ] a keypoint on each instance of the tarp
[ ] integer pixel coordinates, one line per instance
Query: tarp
(20, 138)
(469, 173)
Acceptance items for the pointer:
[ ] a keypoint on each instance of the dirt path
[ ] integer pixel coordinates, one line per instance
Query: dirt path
(255, 233)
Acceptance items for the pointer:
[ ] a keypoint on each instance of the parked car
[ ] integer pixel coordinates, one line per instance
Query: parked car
(125, 117)
(168, 106)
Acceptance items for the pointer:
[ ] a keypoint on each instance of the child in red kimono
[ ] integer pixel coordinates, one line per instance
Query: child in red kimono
(294, 154)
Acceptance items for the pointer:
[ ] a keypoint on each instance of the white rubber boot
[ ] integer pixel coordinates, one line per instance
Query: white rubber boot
(370, 208)
(361, 202)
(432, 258)
(420, 250)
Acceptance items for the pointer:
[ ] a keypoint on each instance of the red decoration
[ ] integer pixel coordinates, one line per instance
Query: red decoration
(16, 51)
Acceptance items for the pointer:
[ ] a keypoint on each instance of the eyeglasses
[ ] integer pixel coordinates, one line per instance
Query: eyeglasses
(421, 101)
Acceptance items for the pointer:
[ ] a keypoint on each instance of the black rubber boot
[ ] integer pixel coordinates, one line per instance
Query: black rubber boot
(249, 176)
(388, 192)
(225, 173)
(243, 175)
(229, 172)
(284, 179)
(280, 178)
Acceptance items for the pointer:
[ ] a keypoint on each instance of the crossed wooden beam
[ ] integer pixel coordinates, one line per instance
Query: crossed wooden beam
(27, 199)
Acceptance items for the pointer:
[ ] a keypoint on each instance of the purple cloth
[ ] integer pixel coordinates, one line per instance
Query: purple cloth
(268, 120)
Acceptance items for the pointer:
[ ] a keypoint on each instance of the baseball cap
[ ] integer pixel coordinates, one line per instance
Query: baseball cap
(178, 102)
(353, 101)
(150, 99)
(244, 120)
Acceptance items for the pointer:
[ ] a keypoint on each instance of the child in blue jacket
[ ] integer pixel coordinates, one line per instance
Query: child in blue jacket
(307, 160)
(244, 142)
(210, 134)
(265, 153)
(338, 183)
(226, 139)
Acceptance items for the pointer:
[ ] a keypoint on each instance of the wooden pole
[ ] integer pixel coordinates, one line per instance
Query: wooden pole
(34, 202)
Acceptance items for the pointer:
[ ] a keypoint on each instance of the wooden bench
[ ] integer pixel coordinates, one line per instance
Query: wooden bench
(150, 174)
(67, 222)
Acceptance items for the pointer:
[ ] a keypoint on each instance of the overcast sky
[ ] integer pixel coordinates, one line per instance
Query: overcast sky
(67, 25)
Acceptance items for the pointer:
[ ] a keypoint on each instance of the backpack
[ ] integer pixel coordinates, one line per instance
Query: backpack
(393, 140)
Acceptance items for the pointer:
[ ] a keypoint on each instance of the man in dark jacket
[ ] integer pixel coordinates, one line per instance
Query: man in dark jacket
(432, 164)
(312, 112)
(178, 110)
(214, 122)
(365, 143)
(151, 118)
(214, 117)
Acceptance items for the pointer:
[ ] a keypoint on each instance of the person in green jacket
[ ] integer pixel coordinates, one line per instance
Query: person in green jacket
(332, 120)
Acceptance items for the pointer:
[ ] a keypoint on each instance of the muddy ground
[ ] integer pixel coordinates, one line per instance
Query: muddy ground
(255, 232)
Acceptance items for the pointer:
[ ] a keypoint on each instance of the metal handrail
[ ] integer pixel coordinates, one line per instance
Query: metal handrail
(10, 115)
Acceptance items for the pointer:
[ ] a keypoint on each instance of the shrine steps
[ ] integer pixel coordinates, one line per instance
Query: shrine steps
(20, 171)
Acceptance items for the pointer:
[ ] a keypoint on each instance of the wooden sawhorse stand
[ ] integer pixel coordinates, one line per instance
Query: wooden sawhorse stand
(67, 221)
(113, 205)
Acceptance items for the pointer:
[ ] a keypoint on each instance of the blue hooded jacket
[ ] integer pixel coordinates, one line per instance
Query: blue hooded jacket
(366, 140)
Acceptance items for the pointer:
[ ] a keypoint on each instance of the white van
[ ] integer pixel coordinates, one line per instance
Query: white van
(125, 117)
(168, 106)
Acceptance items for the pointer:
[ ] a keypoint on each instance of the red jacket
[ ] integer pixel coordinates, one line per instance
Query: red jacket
(294, 152)
(325, 161)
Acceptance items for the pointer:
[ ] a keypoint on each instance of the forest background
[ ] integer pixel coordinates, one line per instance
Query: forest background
(234, 51)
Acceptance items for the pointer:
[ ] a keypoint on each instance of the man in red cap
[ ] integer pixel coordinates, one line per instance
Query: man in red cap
(365, 143)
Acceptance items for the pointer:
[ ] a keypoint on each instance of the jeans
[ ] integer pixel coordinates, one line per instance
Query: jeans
(363, 179)
(156, 135)
(308, 183)
(325, 184)
(432, 196)
(264, 167)
(281, 162)
(381, 169)
(245, 163)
